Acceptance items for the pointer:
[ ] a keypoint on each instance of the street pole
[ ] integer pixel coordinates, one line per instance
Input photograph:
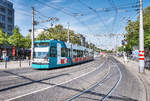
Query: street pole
(68, 33)
(141, 40)
(32, 35)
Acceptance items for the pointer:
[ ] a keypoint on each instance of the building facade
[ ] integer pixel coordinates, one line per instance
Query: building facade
(6, 16)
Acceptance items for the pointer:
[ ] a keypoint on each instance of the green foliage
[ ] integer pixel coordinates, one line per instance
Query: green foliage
(59, 33)
(120, 49)
(3, 38)
(132, 29)
(27, 43)
(16, 39)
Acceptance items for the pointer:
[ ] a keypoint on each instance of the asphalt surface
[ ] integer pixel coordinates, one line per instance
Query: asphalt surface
(101, 79)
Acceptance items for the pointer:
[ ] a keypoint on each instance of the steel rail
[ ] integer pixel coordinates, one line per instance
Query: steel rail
(36, 91)
(107, 76)
(97, 84)
(115, 86)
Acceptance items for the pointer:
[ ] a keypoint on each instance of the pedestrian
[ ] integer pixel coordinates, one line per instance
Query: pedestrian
(6, 58)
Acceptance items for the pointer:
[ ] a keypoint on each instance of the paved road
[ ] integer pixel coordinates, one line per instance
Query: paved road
(101, 79)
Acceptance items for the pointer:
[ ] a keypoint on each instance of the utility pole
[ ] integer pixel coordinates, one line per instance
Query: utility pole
(68, 33)
(32, 34)
(141, 40)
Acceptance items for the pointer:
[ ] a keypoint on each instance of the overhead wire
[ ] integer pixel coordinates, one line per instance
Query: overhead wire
(65, 12)
(97, 14)
(123, 26)
(116, 14)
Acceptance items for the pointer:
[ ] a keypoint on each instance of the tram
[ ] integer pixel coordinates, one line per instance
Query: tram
(54, 54)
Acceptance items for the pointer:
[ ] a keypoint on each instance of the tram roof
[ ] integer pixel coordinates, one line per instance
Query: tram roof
(68, 45)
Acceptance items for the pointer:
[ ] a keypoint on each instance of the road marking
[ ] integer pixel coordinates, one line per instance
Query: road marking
(57, 84)
(116, 85)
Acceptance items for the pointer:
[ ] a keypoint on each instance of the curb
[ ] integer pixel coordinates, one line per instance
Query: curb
(141, 79)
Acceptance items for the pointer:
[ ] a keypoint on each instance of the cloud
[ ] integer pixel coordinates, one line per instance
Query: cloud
(101, 42)
(56, 1)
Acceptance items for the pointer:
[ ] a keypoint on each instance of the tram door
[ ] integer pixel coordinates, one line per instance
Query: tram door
(58, 53)
(53, 54)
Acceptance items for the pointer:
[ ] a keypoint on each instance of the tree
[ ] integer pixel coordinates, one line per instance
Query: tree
(132, 29)
(3, 38)
(27, 43)
(16, 39)
(59, 33)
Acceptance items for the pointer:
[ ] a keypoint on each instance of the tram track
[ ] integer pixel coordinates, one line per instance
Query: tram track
(74, 69)
(48, 74)
(69, 70)
(106, 77)
(115, 86)
(99, 83)
(108, 81)
(94, 69)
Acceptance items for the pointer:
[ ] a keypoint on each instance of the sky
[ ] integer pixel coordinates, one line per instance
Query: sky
(97, 20)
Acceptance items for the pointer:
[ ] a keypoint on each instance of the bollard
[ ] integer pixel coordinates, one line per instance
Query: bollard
(29, 62)
(20, 63)
(5, 64)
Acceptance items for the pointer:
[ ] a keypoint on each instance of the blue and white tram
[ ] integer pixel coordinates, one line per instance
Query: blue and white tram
(53, 53)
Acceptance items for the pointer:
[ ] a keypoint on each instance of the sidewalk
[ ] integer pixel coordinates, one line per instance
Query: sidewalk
(14, 64)
(132, 66)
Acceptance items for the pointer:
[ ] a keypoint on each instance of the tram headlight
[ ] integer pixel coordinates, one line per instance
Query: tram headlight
(46, 59)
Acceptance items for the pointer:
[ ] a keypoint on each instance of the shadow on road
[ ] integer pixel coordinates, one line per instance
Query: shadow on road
(31, 81)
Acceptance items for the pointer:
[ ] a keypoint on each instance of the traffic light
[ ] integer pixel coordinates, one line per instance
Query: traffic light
(123, 42)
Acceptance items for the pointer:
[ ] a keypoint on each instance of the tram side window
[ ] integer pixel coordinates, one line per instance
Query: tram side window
(81, 55)
(64, 52)
(74, 53)
(78, 53)
(53, 52)
(85, 53)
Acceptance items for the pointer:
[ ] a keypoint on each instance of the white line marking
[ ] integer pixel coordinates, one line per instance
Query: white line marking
(56, 85)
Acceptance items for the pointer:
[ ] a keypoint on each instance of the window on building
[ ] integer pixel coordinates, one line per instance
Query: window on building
(2, 9)
(9, 27)
(10, 12)
(2, 25)
(2, 18)
(9, 5)
(9, 19)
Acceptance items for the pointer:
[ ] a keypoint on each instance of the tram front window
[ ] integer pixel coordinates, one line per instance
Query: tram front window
(41, 55)
(41, 52)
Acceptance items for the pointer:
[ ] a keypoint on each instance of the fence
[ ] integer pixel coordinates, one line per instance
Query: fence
(15, 64)
(147, 62)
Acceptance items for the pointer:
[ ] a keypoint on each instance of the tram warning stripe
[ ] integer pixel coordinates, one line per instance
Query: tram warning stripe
(141, 54)
(141, 58)
(67, 60)
(62, 61)
(141, 51)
